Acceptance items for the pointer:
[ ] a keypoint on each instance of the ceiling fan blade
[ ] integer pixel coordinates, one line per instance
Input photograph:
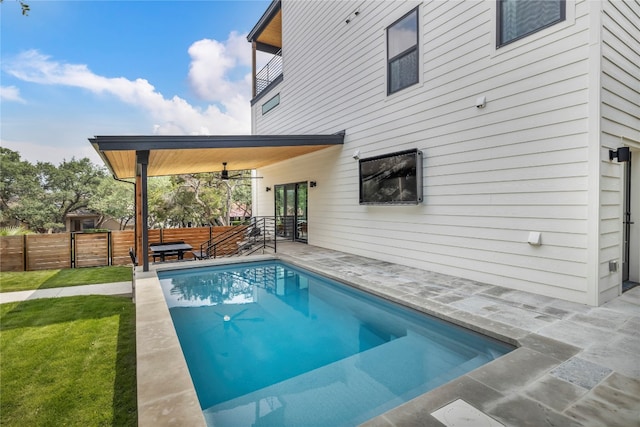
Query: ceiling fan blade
(224, 174)
(244, 177)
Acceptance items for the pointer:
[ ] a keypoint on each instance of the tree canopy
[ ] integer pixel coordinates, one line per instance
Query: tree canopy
(40, 196)
(24, 7)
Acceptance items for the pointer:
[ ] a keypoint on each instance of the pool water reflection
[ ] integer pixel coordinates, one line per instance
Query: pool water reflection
(270, 344)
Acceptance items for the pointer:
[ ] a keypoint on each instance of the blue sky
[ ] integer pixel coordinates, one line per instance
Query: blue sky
(74, 69)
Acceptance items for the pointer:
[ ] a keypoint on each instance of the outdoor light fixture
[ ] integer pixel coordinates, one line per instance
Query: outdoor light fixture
(622, 154)
(268, 189)
(312, 184)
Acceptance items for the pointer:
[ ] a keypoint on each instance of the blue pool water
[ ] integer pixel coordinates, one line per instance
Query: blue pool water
(270, 344)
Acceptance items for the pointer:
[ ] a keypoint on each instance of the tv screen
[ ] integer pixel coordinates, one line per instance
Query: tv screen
(391, 179)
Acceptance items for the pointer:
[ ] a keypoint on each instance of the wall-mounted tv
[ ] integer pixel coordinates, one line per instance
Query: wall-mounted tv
(391, 179)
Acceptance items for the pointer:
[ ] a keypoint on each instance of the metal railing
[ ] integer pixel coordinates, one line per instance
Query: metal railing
(258, 233)
(269, 73)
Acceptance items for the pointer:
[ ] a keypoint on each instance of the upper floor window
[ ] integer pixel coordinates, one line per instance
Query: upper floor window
(519, 18)
(402, 52)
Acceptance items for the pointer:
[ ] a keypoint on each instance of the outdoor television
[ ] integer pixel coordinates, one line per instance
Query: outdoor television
(391, 179)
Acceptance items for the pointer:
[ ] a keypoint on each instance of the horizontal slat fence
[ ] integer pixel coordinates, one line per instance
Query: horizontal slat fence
(121, 241)
(91, 250)
(48, 251)
(67, 250)
(12, 253)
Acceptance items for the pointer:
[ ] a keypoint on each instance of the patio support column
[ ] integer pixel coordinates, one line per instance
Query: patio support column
(253, 69)
(137, 235)
(142, 162)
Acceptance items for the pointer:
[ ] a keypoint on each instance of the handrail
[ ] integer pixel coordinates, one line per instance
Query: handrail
(232, 237)
(205, 248)
(269, 73)
(258, 234)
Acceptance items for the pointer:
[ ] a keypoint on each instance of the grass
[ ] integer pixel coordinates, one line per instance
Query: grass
(68, 361)
(43, 279)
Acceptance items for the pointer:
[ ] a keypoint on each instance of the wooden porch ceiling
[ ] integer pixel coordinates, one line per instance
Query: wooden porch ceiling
(272, 33)
(268, 30)
(174, 155)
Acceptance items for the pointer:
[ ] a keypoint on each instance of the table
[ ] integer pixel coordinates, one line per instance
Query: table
(165, 249)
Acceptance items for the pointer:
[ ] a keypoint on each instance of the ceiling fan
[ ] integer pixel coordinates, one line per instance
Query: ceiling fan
(224, 174)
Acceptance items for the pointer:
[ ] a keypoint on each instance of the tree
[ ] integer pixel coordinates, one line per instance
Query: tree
(70, 186)
(18, 182)
(41, 196)
(24, 7)
(160, 200)
(114, 199)
(213, 195)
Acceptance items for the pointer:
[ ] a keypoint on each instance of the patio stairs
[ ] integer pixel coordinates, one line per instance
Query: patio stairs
(245, 239)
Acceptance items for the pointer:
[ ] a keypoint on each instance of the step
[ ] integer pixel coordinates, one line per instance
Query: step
(362, 382)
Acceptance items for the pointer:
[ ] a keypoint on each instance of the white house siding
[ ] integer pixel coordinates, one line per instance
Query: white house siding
(491, 175)
(620, 125)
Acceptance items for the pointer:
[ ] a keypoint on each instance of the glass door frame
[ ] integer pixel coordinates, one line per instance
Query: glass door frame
(291, 210)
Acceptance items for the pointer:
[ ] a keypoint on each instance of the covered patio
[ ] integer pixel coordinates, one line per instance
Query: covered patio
(142, 156)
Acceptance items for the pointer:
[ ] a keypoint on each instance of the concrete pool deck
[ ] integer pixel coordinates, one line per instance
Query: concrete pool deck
(575, 365)
(113, 289)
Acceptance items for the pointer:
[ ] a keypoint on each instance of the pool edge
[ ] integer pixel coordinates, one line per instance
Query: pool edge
(166, 395)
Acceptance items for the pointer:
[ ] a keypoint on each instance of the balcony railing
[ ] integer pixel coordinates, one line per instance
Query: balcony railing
(269, 73)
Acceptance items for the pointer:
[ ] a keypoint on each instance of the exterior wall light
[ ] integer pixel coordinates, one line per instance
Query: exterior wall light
(312, 184)
(268, 189)
(622, 154)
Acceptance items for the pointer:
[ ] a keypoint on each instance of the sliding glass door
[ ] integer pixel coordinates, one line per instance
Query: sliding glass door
(291, 211)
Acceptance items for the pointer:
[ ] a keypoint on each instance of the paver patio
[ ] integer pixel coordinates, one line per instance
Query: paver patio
(575, 366)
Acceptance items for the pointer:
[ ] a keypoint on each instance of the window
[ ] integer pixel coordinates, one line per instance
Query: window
(402, 53)
(519, 18)
(271, 104)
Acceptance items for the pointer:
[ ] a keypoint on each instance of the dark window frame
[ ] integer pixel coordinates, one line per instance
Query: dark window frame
(501, 43)
(405, 53)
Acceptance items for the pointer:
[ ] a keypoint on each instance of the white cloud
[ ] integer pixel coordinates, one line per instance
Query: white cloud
(212, 63)
(10, 93)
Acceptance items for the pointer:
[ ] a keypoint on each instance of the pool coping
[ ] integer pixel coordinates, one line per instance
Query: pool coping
(167, 397)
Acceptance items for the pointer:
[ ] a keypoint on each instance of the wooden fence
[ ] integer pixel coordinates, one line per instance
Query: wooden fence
(71, 250)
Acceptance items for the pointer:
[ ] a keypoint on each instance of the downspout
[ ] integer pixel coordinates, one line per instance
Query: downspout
(135, 209)
(595, 155)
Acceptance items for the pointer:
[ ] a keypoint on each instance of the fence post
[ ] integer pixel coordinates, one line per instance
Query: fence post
(109, 251)
(72, 249)
(24, 252)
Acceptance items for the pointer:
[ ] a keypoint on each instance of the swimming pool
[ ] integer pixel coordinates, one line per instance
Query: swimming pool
(267, 343)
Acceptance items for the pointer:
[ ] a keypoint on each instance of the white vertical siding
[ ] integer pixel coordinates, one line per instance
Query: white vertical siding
(491, 175)
(620, 109)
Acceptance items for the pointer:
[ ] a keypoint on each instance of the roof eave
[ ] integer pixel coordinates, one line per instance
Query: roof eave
(266, 17)
(165, 142)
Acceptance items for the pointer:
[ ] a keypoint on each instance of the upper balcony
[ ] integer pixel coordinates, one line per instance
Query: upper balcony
(266, 37)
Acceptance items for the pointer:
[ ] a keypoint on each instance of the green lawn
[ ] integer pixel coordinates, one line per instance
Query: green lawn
(68, 361)
(43, 279)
